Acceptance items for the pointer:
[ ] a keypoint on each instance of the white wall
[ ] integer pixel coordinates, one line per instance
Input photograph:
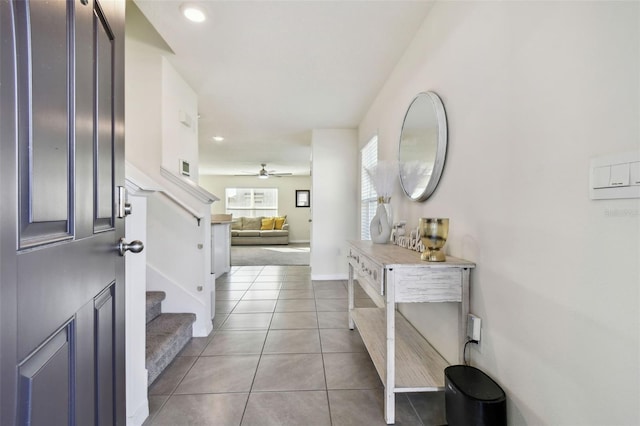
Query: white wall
(179, 141)
(143, 80)
(334, 200)
(532, 91)
(297, 217)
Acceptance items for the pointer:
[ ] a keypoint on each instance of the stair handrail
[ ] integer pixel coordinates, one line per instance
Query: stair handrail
(182, 205)
(138, 181)
(189, 186)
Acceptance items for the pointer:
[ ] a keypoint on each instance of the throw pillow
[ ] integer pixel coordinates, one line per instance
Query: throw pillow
(267, 224)
(236, 224)
(252, 223)
(279, 222)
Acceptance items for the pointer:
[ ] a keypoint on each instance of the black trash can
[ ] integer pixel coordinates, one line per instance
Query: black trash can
(472, 398)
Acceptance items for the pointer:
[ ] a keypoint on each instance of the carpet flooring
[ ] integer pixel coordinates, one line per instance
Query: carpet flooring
(285, 255)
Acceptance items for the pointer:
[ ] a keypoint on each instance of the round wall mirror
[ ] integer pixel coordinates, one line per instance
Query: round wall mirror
(423, 146)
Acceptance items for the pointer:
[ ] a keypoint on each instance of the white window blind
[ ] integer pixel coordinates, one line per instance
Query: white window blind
(251, 202)
(368, 196)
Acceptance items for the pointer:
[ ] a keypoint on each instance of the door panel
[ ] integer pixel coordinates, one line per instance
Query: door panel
(61, 155)
(104, 122)
(55, 282)
(84, 121)
(104, 312)
(49, 88)
(46, 369)
(43, 87)
(85, 380)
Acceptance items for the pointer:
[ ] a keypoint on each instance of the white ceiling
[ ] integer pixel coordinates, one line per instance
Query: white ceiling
(268, 72)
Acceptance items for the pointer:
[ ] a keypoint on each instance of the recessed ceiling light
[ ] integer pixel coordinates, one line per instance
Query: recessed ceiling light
(192, 12)
(218, 138)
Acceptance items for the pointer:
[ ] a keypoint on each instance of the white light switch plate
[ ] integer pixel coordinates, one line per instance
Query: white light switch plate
(614, 176)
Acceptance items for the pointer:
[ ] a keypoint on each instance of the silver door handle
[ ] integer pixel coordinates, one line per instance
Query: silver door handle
(134, 246)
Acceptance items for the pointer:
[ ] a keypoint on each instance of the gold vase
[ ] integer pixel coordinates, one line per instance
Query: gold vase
(433, 234)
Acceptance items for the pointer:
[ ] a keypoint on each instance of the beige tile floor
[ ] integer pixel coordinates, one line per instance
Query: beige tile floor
(280, 354)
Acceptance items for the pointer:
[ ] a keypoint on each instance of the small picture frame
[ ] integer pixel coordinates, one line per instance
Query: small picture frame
(303, 198)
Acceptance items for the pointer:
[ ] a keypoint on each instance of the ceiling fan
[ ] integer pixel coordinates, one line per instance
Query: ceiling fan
(266, 174)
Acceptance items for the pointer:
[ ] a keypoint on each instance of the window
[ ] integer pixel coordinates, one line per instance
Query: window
(368, 197)
(252, 202)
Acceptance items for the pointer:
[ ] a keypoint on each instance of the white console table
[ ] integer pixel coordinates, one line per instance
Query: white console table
(220, 247)
(389, 274)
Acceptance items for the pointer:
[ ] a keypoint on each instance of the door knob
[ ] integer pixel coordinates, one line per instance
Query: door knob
(134, 246)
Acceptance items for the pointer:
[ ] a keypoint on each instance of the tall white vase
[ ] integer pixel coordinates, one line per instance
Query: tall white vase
(389, 210)
(380, 228)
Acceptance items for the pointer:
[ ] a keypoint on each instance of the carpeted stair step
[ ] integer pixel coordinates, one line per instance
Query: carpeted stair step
(166, 336)
(154, 304)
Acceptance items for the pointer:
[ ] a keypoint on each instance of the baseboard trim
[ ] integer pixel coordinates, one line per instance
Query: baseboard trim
(329, 277)
(140, 415)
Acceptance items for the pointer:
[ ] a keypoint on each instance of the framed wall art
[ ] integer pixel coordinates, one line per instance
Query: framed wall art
(303, 198)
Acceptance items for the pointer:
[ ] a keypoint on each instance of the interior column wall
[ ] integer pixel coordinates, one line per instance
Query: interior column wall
(334, 200)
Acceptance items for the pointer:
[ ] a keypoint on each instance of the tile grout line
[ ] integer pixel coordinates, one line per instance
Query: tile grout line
(324, 369)
(255, 374)
(220, 329)
(414, 410)
(172, 393)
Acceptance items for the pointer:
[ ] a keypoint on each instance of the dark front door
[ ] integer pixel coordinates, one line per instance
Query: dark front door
(61, 163)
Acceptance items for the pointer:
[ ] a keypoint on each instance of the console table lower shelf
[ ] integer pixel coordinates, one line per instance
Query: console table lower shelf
(419, 367)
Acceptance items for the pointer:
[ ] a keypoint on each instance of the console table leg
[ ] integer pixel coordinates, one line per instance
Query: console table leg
(390, 385)
(463, 309)
(389, 406)
(351, 300)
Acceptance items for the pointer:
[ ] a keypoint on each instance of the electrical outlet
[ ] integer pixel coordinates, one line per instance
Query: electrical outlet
(473, 327)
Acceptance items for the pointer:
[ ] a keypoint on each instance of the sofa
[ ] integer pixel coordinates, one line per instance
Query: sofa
(261, 230)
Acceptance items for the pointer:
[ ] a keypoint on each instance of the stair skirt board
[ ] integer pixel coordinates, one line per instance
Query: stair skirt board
(166, 336)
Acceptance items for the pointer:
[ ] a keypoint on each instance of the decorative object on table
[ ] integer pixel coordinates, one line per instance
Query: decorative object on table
(379, 228)
(423, 146)
(303, 198)
(398, 231)
(411, 241)
(383, 177)
(400, 228)
(433, 233)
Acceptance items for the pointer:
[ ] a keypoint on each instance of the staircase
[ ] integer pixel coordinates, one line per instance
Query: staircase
(167, 334)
